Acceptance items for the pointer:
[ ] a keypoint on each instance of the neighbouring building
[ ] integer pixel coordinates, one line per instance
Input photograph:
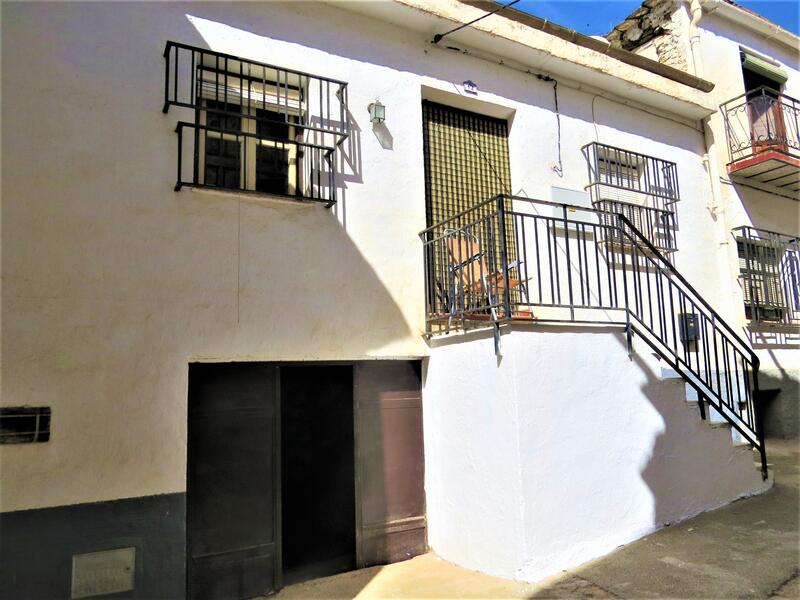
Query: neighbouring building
(294, 288)
(754, 161)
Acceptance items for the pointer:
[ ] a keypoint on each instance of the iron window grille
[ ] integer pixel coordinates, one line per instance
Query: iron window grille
(641, 187)
(24, 424)
(769, 273)
(254, 127)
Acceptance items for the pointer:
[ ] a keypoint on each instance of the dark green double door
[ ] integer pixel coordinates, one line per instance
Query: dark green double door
(233, 481)
(300, 471)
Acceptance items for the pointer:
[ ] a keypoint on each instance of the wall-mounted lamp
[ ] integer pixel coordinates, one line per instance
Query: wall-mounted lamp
(377, 112)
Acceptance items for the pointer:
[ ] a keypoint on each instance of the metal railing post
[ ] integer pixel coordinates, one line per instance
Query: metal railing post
(759, 419)
(179, 131)
(501, 215)
(569, 262)
(628, 330)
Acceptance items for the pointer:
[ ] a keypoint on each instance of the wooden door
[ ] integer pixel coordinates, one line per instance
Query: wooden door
(767, 127)
(390, 462)
(233, 481)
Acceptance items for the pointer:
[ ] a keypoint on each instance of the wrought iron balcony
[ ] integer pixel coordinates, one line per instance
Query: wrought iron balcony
(516, 260)
(769, 273)
(761, 128)
(254, 127)
(642, 187)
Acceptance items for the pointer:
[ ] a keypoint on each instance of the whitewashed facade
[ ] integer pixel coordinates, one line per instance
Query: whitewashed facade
(550, 454)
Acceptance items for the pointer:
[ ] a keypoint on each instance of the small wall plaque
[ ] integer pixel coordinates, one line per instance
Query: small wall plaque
(470, 87)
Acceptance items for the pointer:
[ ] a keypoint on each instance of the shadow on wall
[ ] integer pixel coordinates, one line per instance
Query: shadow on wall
(348, 167)
(130, 280)
(623, 451)
(689, 454)
(328, 287)
(780, 391)
(411, 55)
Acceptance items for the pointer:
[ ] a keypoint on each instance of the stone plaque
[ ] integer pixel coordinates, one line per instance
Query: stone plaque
(101, 573)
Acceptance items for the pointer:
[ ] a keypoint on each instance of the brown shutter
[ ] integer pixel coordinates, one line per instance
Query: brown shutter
(390, 475)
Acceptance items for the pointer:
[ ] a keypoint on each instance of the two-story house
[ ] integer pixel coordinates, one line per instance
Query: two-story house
(294, 288)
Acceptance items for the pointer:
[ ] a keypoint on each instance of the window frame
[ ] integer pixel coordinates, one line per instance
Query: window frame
(249, 141)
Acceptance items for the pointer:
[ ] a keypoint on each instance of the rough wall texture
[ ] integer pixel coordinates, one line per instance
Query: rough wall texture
(113, 282)
(563, 450)
(657, 21)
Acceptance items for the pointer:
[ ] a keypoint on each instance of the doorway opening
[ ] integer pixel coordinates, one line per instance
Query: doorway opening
(272, 492)
(318, 503)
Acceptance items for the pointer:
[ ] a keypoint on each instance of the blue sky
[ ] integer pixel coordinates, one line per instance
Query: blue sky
(598, 17)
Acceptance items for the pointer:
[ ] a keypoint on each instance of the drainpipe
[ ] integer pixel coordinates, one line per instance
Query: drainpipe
(709, 155)
(710, 162)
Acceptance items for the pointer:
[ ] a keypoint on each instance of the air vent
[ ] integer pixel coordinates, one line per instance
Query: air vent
(24, 424)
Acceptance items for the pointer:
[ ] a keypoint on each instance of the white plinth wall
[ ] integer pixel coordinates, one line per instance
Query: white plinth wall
(563, 450)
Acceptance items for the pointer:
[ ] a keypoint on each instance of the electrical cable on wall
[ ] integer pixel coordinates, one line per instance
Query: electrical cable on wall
(439, 36)
(594, 121)
(559, 168)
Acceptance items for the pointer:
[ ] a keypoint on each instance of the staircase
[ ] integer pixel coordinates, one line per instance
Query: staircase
(515, 259)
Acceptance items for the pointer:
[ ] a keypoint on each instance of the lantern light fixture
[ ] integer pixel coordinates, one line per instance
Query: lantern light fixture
(377, 112)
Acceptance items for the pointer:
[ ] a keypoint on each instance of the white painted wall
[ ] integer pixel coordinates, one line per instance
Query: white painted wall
(563, 450)
(113, 283)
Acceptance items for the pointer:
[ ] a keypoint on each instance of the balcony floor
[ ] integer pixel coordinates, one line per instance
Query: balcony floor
(770, 167)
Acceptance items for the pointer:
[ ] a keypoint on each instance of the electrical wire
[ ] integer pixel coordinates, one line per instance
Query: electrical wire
(559, 168)
(439, 36)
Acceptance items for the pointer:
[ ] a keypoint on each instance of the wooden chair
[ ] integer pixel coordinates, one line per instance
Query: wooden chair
(470, 274)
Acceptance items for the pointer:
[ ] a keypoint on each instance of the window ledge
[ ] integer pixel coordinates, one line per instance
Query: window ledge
(254, 196)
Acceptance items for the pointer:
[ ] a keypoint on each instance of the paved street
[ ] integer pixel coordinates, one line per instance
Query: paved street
(748, 549)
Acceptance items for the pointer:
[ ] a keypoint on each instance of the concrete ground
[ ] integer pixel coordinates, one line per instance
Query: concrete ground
(748, 549)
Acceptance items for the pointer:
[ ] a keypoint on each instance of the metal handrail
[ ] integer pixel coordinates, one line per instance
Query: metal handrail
(568, 262)
(750, 93)
(171, 44)
(309, 163)
(621, 169)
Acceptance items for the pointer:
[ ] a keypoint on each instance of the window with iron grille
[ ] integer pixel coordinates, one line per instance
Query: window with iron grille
(618, 170)
(254, 127)
(760, 268)
(642, 188)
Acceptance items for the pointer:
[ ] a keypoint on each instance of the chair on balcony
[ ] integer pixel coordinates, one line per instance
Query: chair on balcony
(475, 289)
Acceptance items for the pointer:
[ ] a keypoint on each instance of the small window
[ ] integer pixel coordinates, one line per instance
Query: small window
(254, 127)
(760, 268)
(618, 169)
(248, 148)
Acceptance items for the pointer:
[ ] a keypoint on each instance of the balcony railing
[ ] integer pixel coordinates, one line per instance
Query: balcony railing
(769, 273)
(254, 127)
(511, 259)
(762, 120)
